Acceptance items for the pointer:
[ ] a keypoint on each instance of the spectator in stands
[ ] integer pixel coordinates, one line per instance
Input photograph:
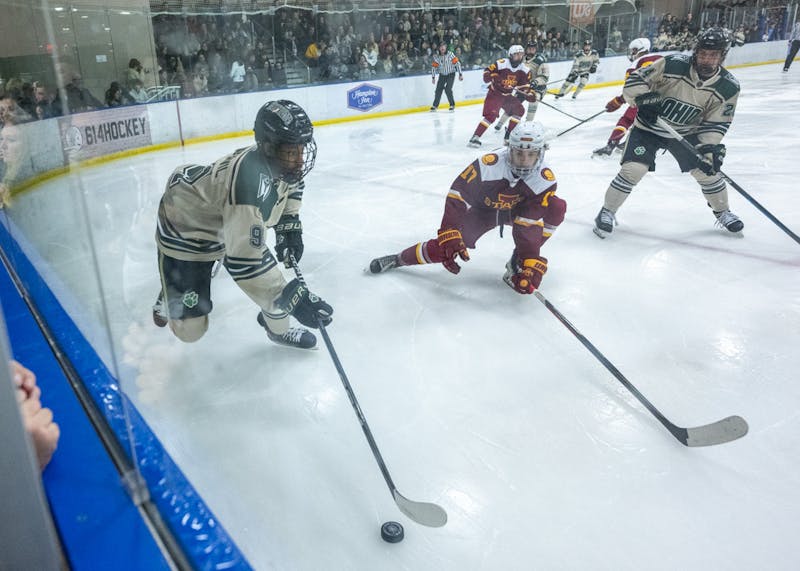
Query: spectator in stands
(313, 53)
(279, 74)
(42, 106)
(371, 52)
(138, 93)
(113, 96)
(237, 74)
(134, 73)
(37, 420)
(739, 37)
(79, 99)
(364, 72)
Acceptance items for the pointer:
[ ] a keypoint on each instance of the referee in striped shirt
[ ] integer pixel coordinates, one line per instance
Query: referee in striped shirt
(445, 64)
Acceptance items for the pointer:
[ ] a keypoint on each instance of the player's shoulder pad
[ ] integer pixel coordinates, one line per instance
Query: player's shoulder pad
(727, 85)
(253, 178)
(578, 54)
(677, 64)
(594, 53)
(491, 166)
(489, 159)
(547, 174)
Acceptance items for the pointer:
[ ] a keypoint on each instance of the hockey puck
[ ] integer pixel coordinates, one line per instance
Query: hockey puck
(392, 532)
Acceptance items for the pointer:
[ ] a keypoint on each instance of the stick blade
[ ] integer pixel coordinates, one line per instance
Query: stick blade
(424, 513)
(720, 432)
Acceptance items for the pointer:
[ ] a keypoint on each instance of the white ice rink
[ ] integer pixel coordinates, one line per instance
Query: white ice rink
(479, 399)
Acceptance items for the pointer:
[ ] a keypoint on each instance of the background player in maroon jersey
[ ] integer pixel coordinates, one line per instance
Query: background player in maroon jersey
(512, 186)
(639, 54)
(509, 85)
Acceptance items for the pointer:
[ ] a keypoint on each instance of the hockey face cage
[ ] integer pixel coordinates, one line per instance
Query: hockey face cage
(295, 164)
(526, 146)
(712, 39)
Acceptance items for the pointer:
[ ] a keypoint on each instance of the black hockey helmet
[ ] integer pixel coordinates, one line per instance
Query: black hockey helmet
(712, 39)
(280, 127)
(587, 44)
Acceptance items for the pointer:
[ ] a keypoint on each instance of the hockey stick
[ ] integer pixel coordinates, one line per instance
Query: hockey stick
(581, 123)
(560, 111)
(424, 513)
(689, 147)
(719, 432)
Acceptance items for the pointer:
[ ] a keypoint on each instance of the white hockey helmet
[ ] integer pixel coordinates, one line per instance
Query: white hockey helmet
(526, 146)
(638, 47)
(512, 51)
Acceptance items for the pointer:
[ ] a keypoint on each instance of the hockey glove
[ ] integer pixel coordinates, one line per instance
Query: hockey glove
(649, 105)
(452, 245)
(614, 104)
(713, 155)
(526, 278)
(571, 77)
(289, 238)
(305, 306)
(593, 69)
(540, 89)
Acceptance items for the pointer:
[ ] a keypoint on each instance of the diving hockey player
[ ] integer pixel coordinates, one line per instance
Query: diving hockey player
(512, 186)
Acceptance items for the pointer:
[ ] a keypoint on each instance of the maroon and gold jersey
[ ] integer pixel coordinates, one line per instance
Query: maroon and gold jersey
(504, 78)
(488, 184)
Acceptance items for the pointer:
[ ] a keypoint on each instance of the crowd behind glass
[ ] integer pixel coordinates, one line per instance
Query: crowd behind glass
(213, 54)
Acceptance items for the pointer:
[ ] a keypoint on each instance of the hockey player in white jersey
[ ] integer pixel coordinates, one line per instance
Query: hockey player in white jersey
(222, 212)
(697, 97)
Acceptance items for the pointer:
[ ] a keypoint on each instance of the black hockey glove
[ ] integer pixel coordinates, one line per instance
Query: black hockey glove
(571, 77)
(713, 155)
(306, 307)
(289, 238)
(649, 105)
(540, 89)
(593, 69)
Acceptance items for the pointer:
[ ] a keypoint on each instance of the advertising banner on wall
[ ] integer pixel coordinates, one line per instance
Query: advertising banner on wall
(99, 133)
(581, 13)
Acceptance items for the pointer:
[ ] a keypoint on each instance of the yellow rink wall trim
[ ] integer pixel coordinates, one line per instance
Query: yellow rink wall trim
(54, 173)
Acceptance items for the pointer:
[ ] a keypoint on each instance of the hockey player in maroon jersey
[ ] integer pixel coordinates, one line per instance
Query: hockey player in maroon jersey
(509, 85)
(639, 54)
(511, 186)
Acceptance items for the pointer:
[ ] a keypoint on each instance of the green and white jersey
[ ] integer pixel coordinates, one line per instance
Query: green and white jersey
(540, 71)
(223, 211)
(583, 62)
(691, 105)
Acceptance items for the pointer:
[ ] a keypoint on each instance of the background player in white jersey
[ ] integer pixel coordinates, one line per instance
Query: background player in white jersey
(540, 72)
(512, 186)
(585, 62)
(221, 212)
(697, 97)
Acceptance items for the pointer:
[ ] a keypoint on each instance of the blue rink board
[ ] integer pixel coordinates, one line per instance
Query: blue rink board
(99, 526)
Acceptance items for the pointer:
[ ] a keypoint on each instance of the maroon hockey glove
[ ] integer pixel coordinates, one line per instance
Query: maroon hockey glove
(528, 276)
(614, 104)
(452, 245)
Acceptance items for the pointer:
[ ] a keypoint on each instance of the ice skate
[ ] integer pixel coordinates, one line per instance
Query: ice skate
(606, 150)
(729, 221)
(498, 126)
(160, 317)
(474, 142)
(296, 337)
(558, 95)
(383, 264)
(452, 108)
(604, 223)
(432, 109)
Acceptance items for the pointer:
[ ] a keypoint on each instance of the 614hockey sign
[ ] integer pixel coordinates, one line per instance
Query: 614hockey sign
(99, 133)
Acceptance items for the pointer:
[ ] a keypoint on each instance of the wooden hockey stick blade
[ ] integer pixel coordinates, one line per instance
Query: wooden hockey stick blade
(423, 513)
(720, 432)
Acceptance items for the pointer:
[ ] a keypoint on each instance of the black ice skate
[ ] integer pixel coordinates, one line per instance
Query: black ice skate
(604, 223)
(511, 269)
(296, 337)
(383, 264)
(498, 126)
(474, 142)
(160, 317)
(452, 108)
(607, 150)
(558, 95)
(729, 221)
